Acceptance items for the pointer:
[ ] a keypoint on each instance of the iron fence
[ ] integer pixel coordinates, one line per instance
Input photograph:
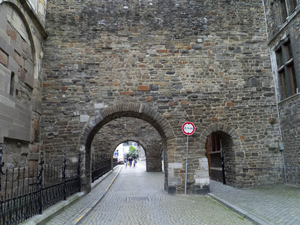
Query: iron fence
(25, 192)
(101, 167)
(115, 162)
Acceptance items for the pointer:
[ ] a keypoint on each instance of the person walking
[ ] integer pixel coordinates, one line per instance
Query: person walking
(125, 162)
(130, 161)
(134, 163)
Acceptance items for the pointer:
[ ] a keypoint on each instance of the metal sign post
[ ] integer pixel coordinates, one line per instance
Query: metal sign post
(186, 162)
(188, 128)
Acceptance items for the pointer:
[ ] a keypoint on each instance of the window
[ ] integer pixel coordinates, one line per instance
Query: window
(286, 70)
(283, 8)
(293, 5)
(287, 8)
(12, 82)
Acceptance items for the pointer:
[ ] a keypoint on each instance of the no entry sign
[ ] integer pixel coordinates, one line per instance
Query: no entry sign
(188, 128)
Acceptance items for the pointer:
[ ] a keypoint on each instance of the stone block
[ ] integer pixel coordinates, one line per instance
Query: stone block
(26, 48)
(171, 190)
(29, 66)
(3, 21)
(201, 174)
(2, 44)
(162, 51)
(19, 59)
(203, 164)
(29, 80)
(173, 181)
(13, 65)
(3, 58)
(100, 106)
(149, 99)
(33, 157)
(143, 88)
(127, 93)
(11, 32)
(10, 50)
(202, 181)
(200, 190)
(84, 118)
(37, 106)
(175, 165)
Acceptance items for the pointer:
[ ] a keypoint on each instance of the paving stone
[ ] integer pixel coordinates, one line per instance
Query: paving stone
(138, 197)
(274, 204)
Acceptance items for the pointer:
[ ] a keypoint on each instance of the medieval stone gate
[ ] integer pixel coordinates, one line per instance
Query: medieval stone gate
(162, 61)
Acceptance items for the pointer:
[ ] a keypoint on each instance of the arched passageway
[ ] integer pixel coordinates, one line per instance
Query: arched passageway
(153, 151)
(139, 111)
(129, 129)
(220, 144)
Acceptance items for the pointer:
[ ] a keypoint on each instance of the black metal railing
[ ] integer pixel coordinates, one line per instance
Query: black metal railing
(25, 192)
(115, 162)
(99, 168)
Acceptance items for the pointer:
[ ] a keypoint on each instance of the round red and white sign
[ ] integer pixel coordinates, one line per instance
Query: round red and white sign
(188, 128)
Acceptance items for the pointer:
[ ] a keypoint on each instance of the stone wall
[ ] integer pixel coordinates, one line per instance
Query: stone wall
(21, 37)
(289, 113)
(202, 61)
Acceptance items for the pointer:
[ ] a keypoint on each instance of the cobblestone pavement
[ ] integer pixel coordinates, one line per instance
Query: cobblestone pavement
(72, 213)
(274, 204)
(137, 197)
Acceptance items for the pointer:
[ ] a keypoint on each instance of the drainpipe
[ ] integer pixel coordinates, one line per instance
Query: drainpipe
(278, 115)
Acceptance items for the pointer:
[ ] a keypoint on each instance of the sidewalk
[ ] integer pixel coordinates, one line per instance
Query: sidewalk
(273, 204)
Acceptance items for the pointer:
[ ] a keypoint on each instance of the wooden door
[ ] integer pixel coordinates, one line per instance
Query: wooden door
(215, 158)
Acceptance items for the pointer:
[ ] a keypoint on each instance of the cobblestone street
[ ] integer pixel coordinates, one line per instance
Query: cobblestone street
(138, 197)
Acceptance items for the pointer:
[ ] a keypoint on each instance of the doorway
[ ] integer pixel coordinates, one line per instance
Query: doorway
(215, 156)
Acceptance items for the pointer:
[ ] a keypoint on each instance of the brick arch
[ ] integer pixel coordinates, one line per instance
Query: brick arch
(125, 139)
(219, 127)
(136, 110)
(232, 144)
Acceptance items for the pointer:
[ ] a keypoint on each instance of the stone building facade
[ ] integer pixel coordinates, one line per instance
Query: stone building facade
(283, 18)
(22, 31)
(136, 70)
(164, 62)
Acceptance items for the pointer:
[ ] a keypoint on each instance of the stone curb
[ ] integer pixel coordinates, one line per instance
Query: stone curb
(58, 207)
(240, 211)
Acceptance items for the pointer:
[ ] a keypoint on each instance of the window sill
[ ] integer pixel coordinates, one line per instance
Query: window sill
(283, 25)
(289, 98)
